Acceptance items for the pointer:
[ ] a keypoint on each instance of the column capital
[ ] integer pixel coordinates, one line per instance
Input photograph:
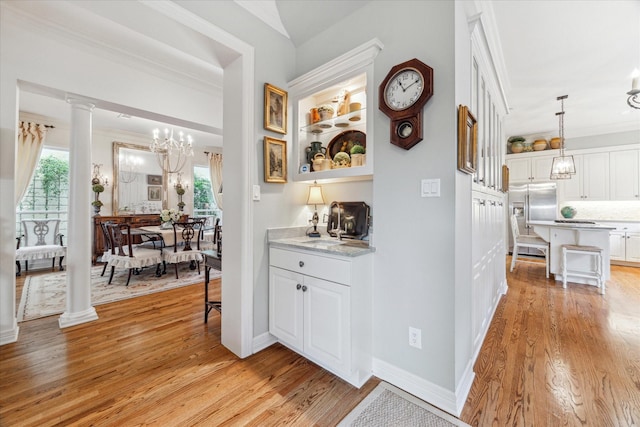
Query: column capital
(80, 102)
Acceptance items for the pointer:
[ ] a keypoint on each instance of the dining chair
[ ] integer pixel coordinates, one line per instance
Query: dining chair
(187, 236)
(520, 241)
(106, 255)
(40, 239)
(124, 254)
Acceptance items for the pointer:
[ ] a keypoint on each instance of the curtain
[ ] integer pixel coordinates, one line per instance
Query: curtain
(215, 174)
(30, 142)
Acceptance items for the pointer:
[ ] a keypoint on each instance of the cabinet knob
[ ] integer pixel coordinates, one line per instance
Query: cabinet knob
(304, 289)
(301, 263)
(298, 286)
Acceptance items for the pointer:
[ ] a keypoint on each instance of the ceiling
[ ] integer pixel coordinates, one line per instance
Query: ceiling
(584, 49)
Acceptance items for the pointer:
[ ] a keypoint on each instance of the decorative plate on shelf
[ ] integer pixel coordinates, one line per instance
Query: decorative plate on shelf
(345, 140)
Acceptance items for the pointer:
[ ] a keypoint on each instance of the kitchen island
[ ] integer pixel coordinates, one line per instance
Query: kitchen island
(574, 233)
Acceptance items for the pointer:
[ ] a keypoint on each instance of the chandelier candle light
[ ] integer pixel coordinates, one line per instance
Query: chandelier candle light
(563, 166)
(315, 198)
(176, 151)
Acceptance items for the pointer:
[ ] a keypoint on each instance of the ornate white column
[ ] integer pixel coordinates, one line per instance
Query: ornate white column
(79, 309)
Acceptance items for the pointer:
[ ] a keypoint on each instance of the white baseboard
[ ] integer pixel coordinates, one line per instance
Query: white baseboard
(434, 394)
(10, 335)
(72, 319)
(263, 341)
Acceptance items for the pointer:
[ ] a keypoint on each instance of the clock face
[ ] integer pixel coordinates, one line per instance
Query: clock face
(403, 89)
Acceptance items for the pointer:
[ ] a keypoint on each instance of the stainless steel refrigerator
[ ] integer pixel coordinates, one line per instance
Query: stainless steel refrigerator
(532, 202)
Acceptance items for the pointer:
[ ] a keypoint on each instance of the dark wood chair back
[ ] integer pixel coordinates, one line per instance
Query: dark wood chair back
(118, 239)
(190, 231)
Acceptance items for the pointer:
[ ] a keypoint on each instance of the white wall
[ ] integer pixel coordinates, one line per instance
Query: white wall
(415, 258)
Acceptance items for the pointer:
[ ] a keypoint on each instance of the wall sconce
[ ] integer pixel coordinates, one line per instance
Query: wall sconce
(634, 99)
(315, 198)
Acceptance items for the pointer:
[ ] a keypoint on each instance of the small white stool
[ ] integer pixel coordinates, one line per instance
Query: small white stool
(598, 270)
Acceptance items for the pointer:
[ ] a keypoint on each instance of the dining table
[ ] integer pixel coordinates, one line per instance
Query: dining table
(166, 234)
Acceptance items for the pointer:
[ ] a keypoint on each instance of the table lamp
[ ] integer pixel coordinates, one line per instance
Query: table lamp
(315, 198)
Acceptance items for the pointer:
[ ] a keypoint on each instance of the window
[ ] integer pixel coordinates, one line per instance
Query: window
(48, 193)
(203, 202)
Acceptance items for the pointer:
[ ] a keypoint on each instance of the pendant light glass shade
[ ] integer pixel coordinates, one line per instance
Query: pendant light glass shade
(563, 167)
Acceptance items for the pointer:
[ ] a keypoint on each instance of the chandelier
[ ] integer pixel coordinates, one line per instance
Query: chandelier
(129, 168)
(176, 151)
(563, 166)
(634, 93)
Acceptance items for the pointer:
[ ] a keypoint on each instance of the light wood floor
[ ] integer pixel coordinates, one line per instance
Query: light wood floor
(560, 357)
(551, 357)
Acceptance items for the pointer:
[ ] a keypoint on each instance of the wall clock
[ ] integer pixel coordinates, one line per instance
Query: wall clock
(402, 95)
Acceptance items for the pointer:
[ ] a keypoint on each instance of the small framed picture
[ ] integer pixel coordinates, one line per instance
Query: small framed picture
(467, 140)
(154, 193)
(275, 109)
(505, 178)
(275, 160)
(154, 179)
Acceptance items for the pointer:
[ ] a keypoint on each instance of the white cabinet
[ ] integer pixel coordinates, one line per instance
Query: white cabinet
(350, 73)
(591, 181)
(625, 175)
(625, 246)
(320, 307)
(530, 169)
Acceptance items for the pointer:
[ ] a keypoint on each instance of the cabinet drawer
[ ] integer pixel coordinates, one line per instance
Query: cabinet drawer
(331, 269)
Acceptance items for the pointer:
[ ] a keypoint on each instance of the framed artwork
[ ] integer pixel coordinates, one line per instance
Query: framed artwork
(154, 179)
(275, 160)
(275, 109)
(505, 178)
(467, 140)
(154, 193)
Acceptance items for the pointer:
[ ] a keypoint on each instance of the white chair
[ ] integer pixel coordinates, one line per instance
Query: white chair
(597, 271)
(41, 239)
(520, 241)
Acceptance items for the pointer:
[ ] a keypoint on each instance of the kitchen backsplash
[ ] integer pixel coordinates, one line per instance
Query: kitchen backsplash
(605, 210)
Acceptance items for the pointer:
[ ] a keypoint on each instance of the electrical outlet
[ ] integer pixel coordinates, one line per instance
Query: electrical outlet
(415, 337)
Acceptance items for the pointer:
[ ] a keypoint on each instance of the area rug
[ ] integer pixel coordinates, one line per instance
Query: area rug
(388, 406)
(45, 295)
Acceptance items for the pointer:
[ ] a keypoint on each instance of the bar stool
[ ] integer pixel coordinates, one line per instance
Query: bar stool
(598, 270)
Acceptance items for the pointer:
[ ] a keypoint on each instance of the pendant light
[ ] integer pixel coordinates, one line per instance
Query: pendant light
(563, 166)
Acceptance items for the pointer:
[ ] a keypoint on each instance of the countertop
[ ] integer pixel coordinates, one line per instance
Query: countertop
(327, 245)
(572, 225)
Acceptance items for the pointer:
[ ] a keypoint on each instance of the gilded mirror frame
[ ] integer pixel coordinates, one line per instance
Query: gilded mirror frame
(116, 173)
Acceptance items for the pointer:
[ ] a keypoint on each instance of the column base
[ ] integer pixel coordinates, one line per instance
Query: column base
(10, 335)
(71, 319)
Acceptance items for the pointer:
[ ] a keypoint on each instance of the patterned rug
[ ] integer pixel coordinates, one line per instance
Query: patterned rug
(387, 406)
(45, 295)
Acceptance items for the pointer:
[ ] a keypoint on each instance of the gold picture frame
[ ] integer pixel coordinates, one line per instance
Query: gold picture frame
(505, 178)
(275, 160)
(467, 140)
(275, 109)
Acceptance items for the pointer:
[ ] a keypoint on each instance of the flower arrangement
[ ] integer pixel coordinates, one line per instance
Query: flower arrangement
(97, 188)
(180, 191)
(170, 215)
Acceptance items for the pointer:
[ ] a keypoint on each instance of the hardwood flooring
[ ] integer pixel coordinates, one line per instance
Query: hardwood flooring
(551, 357)
(560, 357)
(151, 360)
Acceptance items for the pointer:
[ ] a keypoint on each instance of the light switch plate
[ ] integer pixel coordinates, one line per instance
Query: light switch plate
(256, 193)
(430, 188)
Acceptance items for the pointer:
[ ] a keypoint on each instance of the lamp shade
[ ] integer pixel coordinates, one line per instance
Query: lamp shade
(563, 167)
(315, 195)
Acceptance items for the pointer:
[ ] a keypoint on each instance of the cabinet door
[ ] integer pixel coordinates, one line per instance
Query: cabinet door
(519, 170)
(571, 189)
(285, 306)
(541, 169)
(633, 247)
(616, 245)
(624, 175)
(595, 176)
(327, 323)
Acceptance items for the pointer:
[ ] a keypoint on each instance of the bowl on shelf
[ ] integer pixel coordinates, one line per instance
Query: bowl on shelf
(554, 143)
(568, 212)
(517, 147)
(539, 145)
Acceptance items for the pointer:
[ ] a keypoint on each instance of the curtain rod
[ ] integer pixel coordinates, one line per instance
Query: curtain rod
(47, 126)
